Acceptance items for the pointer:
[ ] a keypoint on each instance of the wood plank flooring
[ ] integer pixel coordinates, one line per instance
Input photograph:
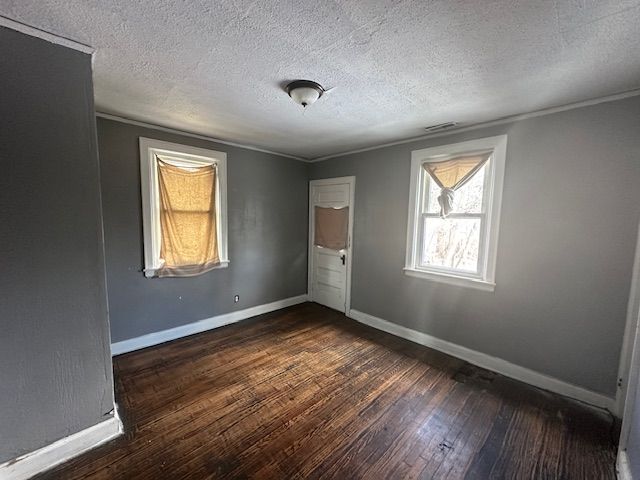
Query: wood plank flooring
(307, 393)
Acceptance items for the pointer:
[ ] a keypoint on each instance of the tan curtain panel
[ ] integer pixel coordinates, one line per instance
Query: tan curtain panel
(189, 239)
(331, 227)
(452, 174)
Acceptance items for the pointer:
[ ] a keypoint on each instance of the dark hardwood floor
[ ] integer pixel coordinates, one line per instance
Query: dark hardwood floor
(307, 393)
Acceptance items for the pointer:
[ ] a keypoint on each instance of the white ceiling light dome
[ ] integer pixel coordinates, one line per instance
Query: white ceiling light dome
(304, 92)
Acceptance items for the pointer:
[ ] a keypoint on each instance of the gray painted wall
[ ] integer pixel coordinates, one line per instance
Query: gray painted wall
(55, 365)
(267, 212)
(570, 212)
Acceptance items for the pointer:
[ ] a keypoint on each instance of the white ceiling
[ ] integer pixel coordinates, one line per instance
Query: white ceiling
(216, 68)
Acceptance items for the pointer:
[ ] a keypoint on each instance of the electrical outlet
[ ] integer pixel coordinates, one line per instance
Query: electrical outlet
(236, 298)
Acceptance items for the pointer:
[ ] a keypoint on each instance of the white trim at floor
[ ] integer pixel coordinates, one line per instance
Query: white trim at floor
(622, 466)
(62, 450)
(156, 338)
(487, 361)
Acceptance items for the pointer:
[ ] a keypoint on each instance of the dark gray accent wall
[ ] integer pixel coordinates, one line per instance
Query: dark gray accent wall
(55, 361)
(267, 215)
(570, 213)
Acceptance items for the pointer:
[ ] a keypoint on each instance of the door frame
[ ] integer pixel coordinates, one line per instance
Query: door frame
(351, 180)
(629, 368)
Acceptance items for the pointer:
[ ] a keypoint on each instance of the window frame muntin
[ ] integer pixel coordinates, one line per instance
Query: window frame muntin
(198, 157)
(480, 272)
(493, 186)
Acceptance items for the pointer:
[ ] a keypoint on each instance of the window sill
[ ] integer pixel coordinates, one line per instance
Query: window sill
(451, 279)
(151, 272)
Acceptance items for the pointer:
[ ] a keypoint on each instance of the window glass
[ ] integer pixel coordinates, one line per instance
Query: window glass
(451, 243)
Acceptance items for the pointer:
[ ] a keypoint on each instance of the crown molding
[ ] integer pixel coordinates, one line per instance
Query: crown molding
(66, 42)
(44, 35)
(490, 123)
(139, 123)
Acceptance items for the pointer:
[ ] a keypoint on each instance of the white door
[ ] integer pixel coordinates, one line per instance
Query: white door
(330, 268)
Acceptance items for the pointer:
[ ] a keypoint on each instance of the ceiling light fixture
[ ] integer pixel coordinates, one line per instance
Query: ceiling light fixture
(304, 92)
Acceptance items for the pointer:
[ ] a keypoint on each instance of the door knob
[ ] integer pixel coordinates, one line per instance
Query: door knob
(342, 257)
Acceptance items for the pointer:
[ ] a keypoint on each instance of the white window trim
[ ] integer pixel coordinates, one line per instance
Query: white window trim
(494, 180)
(191, 156)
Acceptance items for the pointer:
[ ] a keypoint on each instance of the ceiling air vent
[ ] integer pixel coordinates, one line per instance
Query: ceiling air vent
(440, 126)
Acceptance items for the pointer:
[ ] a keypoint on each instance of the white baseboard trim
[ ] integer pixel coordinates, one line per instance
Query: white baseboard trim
(483, 360)
(622, 466)
(162, 336)
(61, 450)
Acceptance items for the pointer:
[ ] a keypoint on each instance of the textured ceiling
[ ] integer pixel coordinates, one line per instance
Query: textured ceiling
(216, 68)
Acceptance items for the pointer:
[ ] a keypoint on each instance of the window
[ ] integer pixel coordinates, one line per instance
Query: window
(454, 211)
(184, 209)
